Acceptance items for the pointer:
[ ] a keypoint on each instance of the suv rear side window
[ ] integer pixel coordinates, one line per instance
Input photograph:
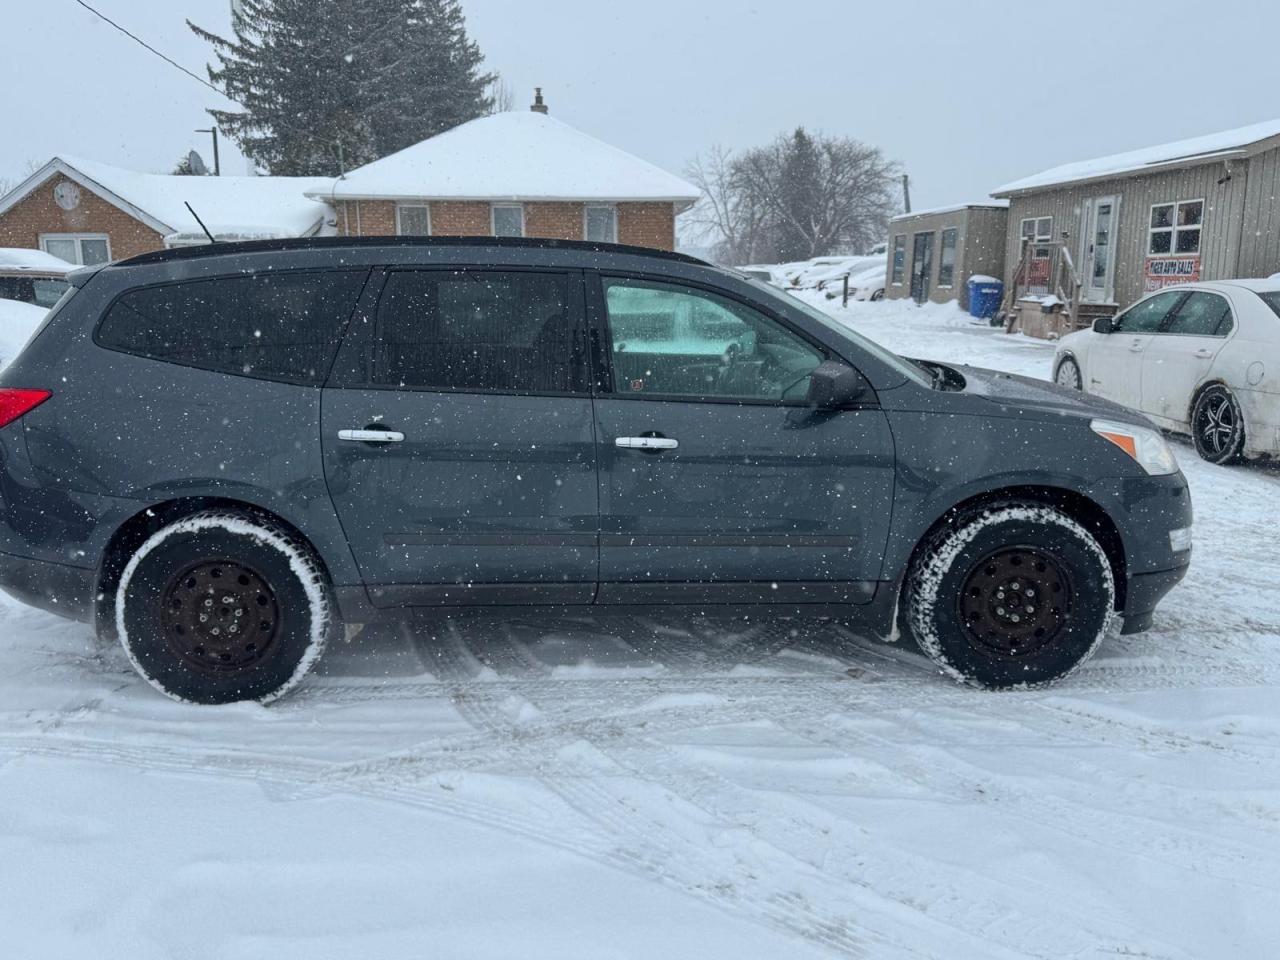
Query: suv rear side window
(270, 326)
(475, 330)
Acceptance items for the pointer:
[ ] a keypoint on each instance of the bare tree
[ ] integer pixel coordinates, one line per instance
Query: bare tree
(501, 95)
(801, 196)
(733, 219)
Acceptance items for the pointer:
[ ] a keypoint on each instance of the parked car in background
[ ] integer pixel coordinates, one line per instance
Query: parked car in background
(329, 431)
(865, 285)
(1200, 359)
(18, 321)
(32, 276)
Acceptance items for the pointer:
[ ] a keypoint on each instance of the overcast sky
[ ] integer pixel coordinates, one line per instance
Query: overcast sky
(965, 95)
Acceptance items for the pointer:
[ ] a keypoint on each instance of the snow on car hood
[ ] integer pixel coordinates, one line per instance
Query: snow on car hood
(1026, 393)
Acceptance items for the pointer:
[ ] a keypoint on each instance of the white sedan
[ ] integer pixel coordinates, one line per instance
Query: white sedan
(1201, 359)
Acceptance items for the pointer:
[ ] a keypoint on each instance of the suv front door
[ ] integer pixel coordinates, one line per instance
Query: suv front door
(718, 484)
(457, 439)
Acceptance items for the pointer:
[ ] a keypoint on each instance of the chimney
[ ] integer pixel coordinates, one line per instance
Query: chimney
(538, 105)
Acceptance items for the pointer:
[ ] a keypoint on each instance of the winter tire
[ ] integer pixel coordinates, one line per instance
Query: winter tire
(221, 607)
(877, 296)
(1068, 375)
(1217, 426)
(1012, 596)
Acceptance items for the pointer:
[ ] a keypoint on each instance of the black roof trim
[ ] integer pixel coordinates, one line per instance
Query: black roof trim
(221, 249)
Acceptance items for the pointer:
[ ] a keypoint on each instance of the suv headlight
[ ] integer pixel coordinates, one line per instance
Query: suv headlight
(1144, 444)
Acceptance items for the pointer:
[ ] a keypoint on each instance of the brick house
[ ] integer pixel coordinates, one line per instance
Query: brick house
(512, 174)
(89, 212)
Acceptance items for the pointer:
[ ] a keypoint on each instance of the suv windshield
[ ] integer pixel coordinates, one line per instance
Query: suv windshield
(887, 357)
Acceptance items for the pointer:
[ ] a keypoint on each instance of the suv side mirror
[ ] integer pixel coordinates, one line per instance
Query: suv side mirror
(834, 385)
(1104, 325)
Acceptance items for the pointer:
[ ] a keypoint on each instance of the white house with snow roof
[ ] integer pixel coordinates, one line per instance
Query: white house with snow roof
(510, 175)
(84, 211)
(1099, 233)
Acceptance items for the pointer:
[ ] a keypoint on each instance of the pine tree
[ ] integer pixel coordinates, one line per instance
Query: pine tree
(329, 85)
(801, 196)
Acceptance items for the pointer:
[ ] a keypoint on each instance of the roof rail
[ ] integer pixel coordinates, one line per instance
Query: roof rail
(221, 249)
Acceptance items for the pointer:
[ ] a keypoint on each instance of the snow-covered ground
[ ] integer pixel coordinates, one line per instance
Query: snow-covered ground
(635, 788)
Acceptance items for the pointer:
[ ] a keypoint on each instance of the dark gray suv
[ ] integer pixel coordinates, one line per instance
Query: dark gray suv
(221, 455)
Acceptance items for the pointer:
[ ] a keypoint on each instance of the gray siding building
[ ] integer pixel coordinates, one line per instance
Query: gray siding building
(1101, 233)
(933, 253)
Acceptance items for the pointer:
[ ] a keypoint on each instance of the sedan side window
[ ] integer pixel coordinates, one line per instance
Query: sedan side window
(672, 341)
(1201, 315)
(1146, 317)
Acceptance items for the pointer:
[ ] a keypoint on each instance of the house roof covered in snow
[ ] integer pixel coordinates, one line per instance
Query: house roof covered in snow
(1241, 142)
(234, 208)
(511, 156)
(954, 208)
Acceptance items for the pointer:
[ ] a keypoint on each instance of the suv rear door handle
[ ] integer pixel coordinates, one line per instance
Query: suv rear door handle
(646, 443)
(1204, 354)
(372, 436)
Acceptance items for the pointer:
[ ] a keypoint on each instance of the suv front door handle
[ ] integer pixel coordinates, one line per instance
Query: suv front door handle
(646, 443)
(371, 436)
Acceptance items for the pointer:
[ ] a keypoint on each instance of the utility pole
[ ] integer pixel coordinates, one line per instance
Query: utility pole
(217, 167)
(906, 193)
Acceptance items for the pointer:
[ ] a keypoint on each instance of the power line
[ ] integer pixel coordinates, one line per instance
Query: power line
(137, 39)
(198, 79)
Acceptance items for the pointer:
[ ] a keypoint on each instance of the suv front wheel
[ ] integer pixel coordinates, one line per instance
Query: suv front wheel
(1016, 595)
(221, 607)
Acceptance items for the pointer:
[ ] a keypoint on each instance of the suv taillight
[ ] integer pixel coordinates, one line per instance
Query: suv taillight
(16, 402)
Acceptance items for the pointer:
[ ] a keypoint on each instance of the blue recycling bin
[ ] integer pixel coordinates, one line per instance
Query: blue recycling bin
(985, 294)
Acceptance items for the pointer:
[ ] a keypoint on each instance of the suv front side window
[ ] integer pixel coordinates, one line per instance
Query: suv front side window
(668, 341)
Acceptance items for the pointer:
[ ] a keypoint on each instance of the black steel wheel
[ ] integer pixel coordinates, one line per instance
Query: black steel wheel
(220, 607)
(1016, 601)
(1217, 426)
(1068, 374)
(220, 616)
(1013, 595)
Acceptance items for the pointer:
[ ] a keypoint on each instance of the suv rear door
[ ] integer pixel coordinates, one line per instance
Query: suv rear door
(717, 483)
(458, 439)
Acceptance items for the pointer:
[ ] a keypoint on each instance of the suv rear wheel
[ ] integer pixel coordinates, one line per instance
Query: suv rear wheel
(222, 606)
(1011, 596)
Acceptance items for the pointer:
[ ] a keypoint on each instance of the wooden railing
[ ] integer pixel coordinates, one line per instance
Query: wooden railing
(1044, 269)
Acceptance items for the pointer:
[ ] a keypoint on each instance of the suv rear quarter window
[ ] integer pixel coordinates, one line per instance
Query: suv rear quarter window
(270, 326)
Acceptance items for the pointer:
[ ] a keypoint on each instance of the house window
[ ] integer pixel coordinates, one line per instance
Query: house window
(947, 257)
(1037, 229)
(601, 224)
(82, 248)
(899, 258)
(508, 220)
(1175, 228)
(413, 220)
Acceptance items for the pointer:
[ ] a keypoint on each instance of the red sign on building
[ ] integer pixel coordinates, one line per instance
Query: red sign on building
(1167, 271)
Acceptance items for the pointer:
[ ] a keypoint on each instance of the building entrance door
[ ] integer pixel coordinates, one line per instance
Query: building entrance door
(1098, 256)
(921, 266)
